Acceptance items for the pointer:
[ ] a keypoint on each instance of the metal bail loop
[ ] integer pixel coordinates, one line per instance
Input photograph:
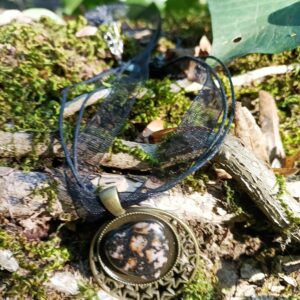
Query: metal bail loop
(111, 201)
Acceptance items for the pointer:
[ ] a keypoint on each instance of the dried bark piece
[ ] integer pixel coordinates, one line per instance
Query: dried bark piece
(86, 31)
(7, 261)
(286, 171)
(292, 160)
(204, 48)
(153, 126)
(248, 131)
(269, 122)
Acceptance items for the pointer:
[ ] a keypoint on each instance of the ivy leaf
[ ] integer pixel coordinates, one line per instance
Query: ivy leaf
(258, 26)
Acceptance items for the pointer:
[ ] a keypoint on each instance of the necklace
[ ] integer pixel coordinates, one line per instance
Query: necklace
(142, 253)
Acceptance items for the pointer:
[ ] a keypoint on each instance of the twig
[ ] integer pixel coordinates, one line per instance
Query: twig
(74, 106)
(260, 74)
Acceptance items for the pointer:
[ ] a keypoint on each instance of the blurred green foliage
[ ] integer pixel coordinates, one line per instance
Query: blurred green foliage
(167, 6)
(184, 21)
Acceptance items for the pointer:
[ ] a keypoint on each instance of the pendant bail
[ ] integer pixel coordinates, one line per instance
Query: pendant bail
(111, 201)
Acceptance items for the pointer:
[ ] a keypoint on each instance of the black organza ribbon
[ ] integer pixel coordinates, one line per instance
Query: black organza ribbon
(183, 151)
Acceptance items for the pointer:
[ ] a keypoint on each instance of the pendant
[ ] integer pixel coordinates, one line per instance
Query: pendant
(143, 253)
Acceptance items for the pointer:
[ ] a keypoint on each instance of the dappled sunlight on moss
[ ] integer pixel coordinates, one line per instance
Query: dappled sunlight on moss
(36, 63)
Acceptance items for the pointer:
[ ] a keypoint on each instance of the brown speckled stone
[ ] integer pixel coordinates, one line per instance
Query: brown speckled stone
(138, 249)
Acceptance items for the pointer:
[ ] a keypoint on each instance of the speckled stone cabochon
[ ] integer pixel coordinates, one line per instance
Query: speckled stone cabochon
(138, 249)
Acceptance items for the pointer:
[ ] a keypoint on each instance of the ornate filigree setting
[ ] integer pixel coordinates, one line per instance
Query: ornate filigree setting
(168, 286)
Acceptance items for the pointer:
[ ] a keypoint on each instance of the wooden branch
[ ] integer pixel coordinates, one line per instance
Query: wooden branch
(21, 143)
(24, 194)
(250, 173)
(74, 106)
(258, 181)
(260, 74)
(18, 144)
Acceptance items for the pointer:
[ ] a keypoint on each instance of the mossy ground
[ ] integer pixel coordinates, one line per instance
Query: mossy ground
(203, 287)
(37, 259)
(36, 62)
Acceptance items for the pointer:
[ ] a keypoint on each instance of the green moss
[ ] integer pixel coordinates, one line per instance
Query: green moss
(195, 183)
(254, 61)
(281, 183)
(231, 199)
(36, 63)
(158, 101)
(139, 153)
(50, 192)
(203, 287)
(289, 126)
(38, 259)
(87, 291)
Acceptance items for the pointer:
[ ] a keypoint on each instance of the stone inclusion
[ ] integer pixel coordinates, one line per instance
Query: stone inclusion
(138, 249)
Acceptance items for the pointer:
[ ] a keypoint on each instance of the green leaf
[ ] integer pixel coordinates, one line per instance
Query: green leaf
(70, 6)
(258, 26)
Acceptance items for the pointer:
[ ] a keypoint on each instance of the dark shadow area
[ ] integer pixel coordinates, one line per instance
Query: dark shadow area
(288, 16)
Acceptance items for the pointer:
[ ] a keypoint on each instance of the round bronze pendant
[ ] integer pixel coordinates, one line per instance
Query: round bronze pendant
(144, 253)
